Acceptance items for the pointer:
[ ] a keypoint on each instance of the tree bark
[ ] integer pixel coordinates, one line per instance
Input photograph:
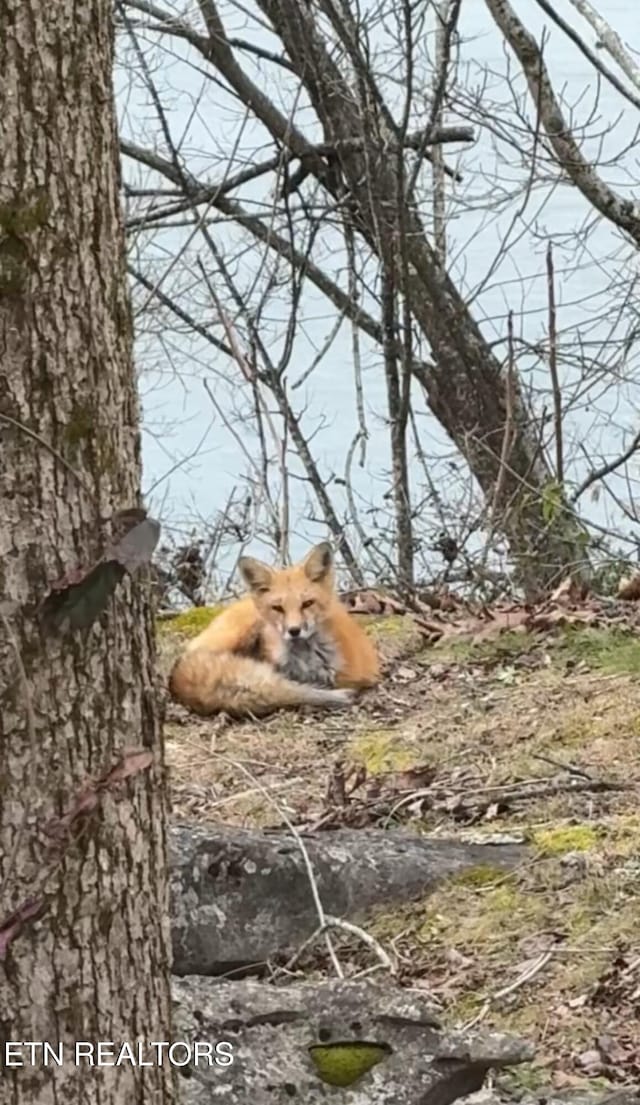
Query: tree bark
(84, 941)
(466, 389)
(619, 210)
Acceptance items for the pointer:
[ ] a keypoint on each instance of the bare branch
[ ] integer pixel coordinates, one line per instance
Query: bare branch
(607, 469)
(590, 54)
(621, 212)
(609, 39)
(214, 194)
(553, 366)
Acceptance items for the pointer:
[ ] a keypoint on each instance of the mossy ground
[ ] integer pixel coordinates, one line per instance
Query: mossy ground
(511, 736)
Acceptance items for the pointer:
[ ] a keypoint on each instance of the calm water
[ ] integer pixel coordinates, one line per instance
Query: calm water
(180, 418)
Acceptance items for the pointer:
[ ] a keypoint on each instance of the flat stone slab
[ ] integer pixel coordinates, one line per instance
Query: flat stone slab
(310, 1043)
(240, 897)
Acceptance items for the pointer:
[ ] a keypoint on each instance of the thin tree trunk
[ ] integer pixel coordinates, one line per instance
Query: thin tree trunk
(83, 903)
(466, 387)
(398, 434)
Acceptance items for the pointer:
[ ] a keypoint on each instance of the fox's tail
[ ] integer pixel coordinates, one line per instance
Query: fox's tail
(218, 682)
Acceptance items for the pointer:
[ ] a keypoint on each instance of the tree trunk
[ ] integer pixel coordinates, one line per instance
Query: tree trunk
(466, 389)
(83, 898)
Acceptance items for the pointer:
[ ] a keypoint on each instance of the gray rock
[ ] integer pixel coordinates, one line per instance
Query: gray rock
(240, 897)
(271, 1031)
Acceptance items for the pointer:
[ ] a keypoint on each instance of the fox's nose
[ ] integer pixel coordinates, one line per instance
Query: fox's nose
(294, 630)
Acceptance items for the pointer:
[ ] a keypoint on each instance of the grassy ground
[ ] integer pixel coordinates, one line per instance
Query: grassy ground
(532, 737)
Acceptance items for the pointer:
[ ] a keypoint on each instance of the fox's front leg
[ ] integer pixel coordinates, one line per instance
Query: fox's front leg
(273, 647)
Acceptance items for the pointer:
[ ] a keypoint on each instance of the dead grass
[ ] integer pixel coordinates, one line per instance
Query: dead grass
(551, 951)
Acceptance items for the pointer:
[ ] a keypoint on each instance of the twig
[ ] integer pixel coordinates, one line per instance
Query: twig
(590, 54)
(50, 449)
(609, 39)
(529, 790)
(332, 922)
(568, 152)
(322, 917)
(365, 937)
(571, 768)
(607, 469)
(507, 443)
(521, 980)
(553, 367)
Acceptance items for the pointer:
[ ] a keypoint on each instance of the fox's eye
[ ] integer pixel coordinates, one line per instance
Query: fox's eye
(278, 608)
(307, 603)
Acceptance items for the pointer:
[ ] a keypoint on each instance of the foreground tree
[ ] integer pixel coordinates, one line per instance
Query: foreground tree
(83, 931)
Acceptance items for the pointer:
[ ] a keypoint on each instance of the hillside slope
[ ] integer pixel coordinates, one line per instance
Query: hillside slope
(520, 735)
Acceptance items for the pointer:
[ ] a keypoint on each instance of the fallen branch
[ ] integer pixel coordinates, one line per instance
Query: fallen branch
(527, 975)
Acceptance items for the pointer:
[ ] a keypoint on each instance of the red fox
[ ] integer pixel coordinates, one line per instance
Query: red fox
(290, 642)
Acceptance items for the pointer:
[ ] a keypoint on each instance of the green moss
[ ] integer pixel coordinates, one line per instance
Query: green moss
(382, 750)
(624, 835)
(482, 875)
(610, 650)
(613, 651)
(464, 1009)
(604, 913)
(565, 838)
(14, 266)
(617, 721)
(580, 918)
(528, 1077)
(190, 622)
(394, 634)
(106, 452)
(122, 316)
(502, 649)
(83, 429)
(17, 221)
(343, 1064)
(504, 899)
(392, 625)
(81, 424)
(488, 920)
(23, 217)
(464, 918)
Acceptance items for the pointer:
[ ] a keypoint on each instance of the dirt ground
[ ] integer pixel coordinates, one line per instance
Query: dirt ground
(527, 736)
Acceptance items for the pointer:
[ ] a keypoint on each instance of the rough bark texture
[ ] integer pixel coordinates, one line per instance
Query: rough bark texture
(87, 950)
(240, 897)
(272, 1029)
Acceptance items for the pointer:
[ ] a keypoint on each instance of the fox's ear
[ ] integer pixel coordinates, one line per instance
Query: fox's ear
(318, 564)
(257, 576)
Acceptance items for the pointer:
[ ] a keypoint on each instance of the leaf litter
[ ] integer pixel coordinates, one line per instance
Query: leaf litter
(508, 723)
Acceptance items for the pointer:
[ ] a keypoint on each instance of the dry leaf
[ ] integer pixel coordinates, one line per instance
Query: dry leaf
(82, 594)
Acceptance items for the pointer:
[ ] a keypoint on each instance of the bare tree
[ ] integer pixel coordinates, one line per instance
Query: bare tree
(83, 898)
(356, 161)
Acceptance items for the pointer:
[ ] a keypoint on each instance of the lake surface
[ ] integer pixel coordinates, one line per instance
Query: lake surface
(200, 441)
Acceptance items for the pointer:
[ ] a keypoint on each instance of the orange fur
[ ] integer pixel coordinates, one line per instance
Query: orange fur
(233, 665)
